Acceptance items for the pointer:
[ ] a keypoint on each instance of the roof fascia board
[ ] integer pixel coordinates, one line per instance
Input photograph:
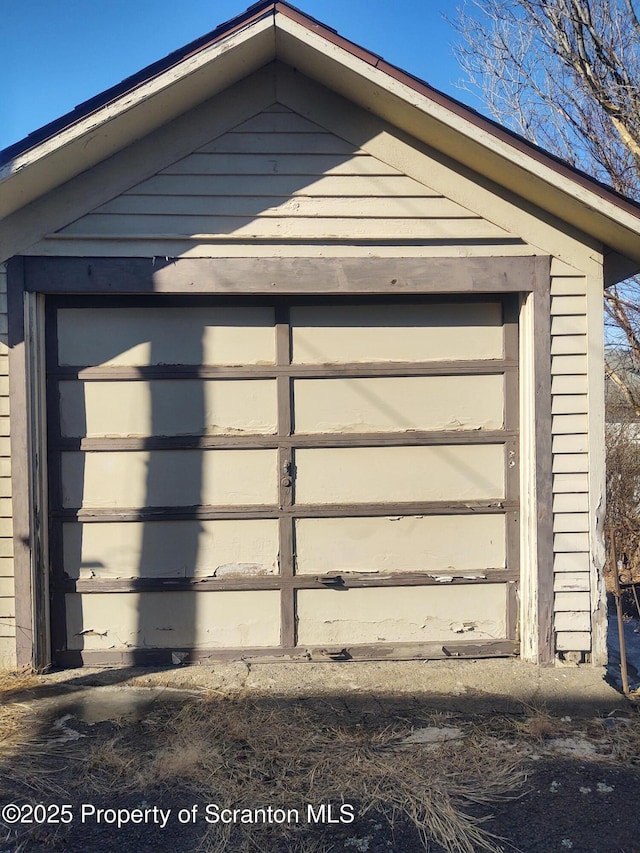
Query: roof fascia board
(135, 114)
(385, 141)
(557, 190)
(138, 161)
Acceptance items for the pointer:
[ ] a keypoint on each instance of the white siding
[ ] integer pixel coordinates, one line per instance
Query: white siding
(280, 176)
(7, 601)
(570, 405)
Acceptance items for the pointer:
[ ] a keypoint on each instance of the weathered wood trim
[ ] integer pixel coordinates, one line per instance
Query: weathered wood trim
(35, 342)
(597, 470)
(142, 155)
(285, 479)
(332, 580)
(280, 275)
(20, 465)
(399, 651)
(58, 607)
(488, 366)
(206, 513)
(543, 461)
(255, 442)
(405, 150)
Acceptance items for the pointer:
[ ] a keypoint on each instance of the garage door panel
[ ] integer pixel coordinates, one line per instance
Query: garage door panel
(168, 407)
(169, 478)
(429, 544)
(203, 620)
(163, 549)
(417, 332)
(398, 403)
(379, 474)
(155, 336)
(238, 451)
(401, 614)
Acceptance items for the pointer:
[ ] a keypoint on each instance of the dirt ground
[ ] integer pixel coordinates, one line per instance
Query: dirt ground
(348, 766)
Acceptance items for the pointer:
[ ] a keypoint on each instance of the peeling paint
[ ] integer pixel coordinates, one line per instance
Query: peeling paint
(234, 569)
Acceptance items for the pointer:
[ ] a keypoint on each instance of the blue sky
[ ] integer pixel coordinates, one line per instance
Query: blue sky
(58, 53)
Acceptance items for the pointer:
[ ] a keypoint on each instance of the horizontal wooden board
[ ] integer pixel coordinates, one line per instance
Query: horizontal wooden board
(447, 544)
(569, 345)
(366, 186)
(568, 286)
(169, 477)
(573, 364)
(561, 305)
(401, 615)
(409, 332)
(571, 522)
(571, 601)
(434, 207)
(569, 404)
(570, 483)
(279, 143)
(440, 473)
(570, 542)
(272, 228)
(572, 582)
(572, 562)
(168, 407)
(151, 335)
(569, 384)
(569, 325)
(570, 463)
(571, 502)
(398, 404)
(171, 549)
(270, 122)
(339, 274)
(280, 164)
(573, 641)
(572, 621)
(168, 620)
(569, 424)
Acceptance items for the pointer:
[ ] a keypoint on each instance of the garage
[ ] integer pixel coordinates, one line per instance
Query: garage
(300, 359)
(321, 478)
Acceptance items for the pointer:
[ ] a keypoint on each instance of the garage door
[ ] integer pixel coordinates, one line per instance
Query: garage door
(323, 479)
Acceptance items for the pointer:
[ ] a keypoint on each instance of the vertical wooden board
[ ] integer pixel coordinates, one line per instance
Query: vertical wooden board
(168, 407)
(379, 474)
(399, 403)
(169, 478)
(403, 614)
(204, 620)
(156, 549)
(431, 544)
(418, 332)
(151, 335)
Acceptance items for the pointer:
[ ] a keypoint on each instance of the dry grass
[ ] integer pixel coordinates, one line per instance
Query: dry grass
(249, 753)
(12, 715)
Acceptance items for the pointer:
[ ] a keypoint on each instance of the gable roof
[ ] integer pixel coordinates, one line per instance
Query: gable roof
(269, 30)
